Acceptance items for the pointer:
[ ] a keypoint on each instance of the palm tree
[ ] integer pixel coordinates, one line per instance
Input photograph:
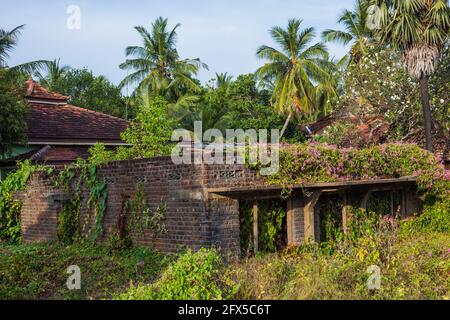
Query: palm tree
(293, 70)
(52, 72)
(331, 87)
(418, 29)
(157, 64)
(357, 31)
(223, 80)
(8, 41)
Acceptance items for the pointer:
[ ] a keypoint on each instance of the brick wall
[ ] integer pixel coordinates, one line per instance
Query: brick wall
(40, 208)
(193, 218)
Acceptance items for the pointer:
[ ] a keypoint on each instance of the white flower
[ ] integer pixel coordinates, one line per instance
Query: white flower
(442, 101)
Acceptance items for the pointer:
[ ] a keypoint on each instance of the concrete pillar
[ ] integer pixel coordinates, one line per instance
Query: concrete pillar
(308, 212)
(255, 226)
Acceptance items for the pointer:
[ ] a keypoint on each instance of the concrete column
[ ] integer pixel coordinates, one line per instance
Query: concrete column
(255, 226)
(294, 219)
(308, 212)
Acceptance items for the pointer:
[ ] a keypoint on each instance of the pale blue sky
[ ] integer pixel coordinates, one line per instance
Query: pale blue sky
(224, 34)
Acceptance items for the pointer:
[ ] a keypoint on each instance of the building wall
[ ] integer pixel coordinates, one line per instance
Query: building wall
(194, 219)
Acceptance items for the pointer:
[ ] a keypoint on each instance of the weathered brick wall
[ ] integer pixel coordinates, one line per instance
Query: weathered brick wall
(40, 208)
(193, 218)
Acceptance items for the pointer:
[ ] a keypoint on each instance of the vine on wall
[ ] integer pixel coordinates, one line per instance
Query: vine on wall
(10, 228)
(137, 217)
(72, 179)
(271, 224)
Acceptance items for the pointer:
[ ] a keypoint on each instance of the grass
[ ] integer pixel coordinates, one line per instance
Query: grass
(412, 267)
(415, 267)
(39, 271)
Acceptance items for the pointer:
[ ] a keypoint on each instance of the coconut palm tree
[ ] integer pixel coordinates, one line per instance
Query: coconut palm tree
(331, 87)
(418, 29)
(8, 42)
(51, 73)
(223, 80)
(157, 63)
(293, 70)
(357, 31)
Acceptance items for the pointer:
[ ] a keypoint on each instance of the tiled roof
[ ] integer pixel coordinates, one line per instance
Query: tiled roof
(33, 90)
(57, 155)
(49, 122)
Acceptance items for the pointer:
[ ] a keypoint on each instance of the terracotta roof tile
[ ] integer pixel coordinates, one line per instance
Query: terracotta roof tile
(34, 90)
(52, 120)
(50, 123)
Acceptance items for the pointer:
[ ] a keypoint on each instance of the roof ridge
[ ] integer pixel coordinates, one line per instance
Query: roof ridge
(42, 92)
(95, 112)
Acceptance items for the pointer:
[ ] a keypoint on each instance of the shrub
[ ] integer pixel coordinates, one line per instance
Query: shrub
(435, 217)
(194, 276)
(10, 207)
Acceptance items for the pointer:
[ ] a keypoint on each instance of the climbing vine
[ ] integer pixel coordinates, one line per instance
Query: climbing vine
(142, 217)
(10, 229)
(72, 180)
(271, 224)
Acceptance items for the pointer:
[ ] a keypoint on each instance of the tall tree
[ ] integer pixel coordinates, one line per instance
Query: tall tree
(418, 29)
(92, 92)
(8, 41)
(223, 80)
(156, 64)
(52, 73)
(13, 111)
(294, 69)
(357, 31)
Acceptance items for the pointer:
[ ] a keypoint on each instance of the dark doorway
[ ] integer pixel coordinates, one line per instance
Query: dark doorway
(272, 226)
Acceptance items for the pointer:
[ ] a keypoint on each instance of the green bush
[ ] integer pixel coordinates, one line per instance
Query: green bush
(39, 271)
(435, 217)
(9, 207)
(194, 276)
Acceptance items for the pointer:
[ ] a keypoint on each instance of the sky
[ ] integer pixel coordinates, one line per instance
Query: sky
(224, 34)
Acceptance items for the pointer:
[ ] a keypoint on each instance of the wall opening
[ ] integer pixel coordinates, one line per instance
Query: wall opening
(272, 226)
(328, 217)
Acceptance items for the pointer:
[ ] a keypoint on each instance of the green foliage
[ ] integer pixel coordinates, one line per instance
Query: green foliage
(341, 134)
(329, 210)
(194, 276)
(72, 179)
(99, 154)
(271, 220)
(157, 65)
(324, 163)
(297, 72)
(237, 105)
(91, 92)
(10, 229)
(411, 268)
(39, 271)
(149, 134)
(151, 131)
(434, 218)
(440, 90)
(143, 218)
(357, 31)
(13, 113)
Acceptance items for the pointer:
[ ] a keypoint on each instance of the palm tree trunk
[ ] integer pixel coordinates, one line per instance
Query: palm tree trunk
(426, 111)
(286, 124)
